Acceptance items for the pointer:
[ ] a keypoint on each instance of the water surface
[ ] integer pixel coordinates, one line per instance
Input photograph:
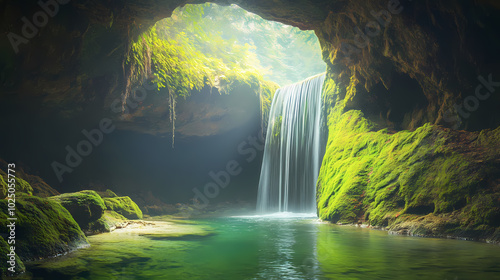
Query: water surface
(274, 247)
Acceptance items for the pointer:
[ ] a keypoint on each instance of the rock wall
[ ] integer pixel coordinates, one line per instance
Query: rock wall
(433, 181)
(411, 61)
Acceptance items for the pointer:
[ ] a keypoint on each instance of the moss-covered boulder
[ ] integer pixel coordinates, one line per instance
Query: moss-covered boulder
(110, 220)
(100, 225)
(124, 206)
(85, 206)
(11, 264)
(44, 228)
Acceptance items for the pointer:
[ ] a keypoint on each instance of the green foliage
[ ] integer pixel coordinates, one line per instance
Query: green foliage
(44, 228)
(125, 206)
(284, 54)
(378, 176)
(267, 90)
(276, 136)
(221, 47)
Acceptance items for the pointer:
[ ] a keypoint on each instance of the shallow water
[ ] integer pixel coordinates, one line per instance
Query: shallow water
(274, 247)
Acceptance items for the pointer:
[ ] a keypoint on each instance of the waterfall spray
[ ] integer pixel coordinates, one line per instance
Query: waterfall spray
(292, 156)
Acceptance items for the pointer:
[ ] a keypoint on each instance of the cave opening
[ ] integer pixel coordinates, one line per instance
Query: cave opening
(222, 65)
(158, 107)
(219, 51)
(217, 68)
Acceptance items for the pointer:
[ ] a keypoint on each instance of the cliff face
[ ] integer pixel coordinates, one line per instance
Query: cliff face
(433, 181)
(429, 67)
(401, 66)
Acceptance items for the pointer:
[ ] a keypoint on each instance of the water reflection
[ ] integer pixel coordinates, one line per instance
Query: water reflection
(285, 245)
(274, 247)
(353, 253)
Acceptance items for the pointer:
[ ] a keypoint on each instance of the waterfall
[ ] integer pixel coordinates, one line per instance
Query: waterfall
(293, 151)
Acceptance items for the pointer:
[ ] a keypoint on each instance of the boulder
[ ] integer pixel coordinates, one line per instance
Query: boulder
(124, 206)
(85, 206)
(44, 228)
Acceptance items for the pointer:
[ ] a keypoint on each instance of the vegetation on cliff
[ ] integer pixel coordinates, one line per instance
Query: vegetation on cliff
(384, 178)
(221, 48)
(170, 54)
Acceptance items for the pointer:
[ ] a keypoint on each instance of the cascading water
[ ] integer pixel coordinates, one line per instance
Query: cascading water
(292, 156)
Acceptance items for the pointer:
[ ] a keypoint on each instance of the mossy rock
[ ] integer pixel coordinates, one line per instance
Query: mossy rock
(106, 223)
(99, 226)
(44, 228)
(40, 187)
(112, 219)
(124, 206)
(4, 259)
(22, 187)
(107, 193)
(85, 206)
(381, 177)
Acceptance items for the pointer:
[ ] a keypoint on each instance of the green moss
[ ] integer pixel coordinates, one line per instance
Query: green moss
(22, 187)
(180, 67)
(107, 193)
(101, 225)
(276, 132)
(109, 220)
(4, 250)
(43, 228)
(266, 93)
(377, 176)
(124, 206)
(112, 215)
(85, 206)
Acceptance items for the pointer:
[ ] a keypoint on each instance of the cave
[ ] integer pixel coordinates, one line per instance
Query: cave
(231, 139)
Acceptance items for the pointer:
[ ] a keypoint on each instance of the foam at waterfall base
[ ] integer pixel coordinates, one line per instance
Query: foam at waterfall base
(280, 215)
